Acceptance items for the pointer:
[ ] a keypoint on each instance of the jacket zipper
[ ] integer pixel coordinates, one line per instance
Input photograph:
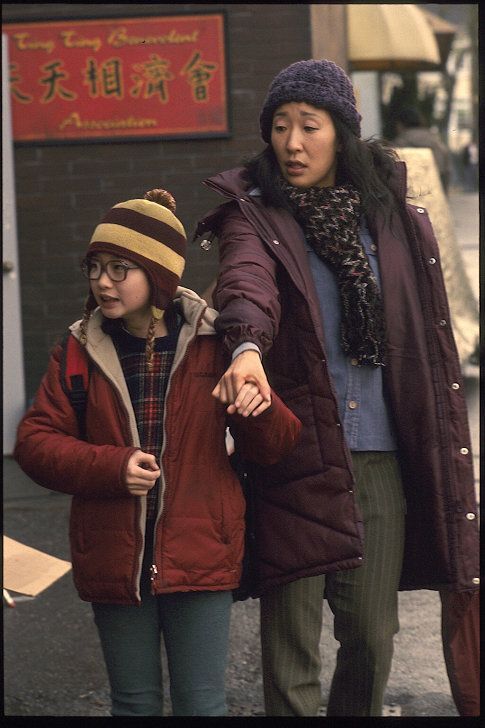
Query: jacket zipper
(138, 520)
(161, 513)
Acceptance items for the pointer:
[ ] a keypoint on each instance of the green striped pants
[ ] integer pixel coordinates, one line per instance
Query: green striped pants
(364, 602)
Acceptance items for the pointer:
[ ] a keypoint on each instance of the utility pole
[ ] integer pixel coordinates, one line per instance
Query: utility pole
(328, 23)
(473, 32)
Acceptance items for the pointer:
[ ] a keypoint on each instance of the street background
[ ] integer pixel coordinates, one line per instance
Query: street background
(53, 662)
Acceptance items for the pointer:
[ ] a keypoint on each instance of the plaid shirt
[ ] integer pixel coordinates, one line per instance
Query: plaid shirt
(147, 392)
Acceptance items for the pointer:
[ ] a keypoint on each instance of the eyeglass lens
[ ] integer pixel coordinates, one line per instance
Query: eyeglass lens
(116, 269)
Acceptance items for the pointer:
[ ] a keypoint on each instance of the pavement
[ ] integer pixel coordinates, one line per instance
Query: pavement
(53, 664)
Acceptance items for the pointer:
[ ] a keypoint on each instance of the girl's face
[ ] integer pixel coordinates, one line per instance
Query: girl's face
(128, 299)
(304, 141)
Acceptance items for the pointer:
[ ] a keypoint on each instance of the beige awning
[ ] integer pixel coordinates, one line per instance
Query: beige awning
(390, 38)
(444, 33)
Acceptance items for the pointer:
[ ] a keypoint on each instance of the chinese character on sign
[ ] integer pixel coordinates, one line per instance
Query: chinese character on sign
(14, 79)
(52, 81)
(199, 74)
(106, 80)
(155, 76)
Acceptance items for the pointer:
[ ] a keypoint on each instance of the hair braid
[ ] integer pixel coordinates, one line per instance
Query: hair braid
(150, 343)
(83, 339)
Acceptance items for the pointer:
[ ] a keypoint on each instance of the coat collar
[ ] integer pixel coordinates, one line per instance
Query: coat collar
(233, 185)
(195, 311)
(199, 320)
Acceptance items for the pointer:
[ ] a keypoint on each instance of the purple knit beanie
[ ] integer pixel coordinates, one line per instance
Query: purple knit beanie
(320, 83)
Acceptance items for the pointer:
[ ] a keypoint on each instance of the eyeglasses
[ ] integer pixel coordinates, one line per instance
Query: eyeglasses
(117, 270)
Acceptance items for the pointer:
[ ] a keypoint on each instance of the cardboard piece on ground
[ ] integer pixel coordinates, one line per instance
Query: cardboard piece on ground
(29, 571)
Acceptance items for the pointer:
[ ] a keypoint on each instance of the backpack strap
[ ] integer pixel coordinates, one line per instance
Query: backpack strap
(75, 378)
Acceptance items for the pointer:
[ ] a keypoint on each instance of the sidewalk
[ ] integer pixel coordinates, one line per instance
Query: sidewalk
(52, 658)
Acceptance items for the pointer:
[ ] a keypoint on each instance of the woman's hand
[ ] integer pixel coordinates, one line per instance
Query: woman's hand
(142, 473)
(244, 386)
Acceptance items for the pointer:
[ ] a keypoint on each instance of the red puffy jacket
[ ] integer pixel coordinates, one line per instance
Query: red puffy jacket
(199, 535)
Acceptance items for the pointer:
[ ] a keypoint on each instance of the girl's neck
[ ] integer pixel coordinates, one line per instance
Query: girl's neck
(139, 327)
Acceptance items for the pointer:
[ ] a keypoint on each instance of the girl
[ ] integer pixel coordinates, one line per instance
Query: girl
(157, 519)
(330, 275)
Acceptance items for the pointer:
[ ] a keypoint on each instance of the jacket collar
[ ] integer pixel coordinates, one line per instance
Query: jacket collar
(230, 183)
(233, 185)
(194, 309)
(199, 320)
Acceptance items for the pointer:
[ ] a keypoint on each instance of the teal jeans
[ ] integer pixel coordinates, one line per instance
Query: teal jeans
(364, 602)
(195, 629)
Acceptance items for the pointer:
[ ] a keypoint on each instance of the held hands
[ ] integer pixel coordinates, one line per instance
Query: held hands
(244, 386)
(142, 473)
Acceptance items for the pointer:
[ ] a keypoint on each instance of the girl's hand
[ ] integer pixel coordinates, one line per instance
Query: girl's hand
(142, 472)
(245, 369)
(249, 401)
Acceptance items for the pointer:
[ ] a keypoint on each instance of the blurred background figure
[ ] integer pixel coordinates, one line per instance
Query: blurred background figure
(470, 167)
(411, 131)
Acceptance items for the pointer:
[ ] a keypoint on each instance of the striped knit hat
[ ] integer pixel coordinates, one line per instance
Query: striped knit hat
(148, 234)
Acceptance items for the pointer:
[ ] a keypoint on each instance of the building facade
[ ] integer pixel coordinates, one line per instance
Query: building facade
(63, 189)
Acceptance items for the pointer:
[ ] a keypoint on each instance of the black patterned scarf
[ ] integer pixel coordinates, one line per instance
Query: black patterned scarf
(330, 217)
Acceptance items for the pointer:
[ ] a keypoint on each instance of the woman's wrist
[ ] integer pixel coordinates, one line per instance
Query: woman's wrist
(247, 346)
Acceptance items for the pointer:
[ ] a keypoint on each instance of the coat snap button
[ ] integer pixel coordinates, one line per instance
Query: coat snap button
(419, 209)
(353, 404)
(455, 385)
(464, 451)
(432, 261)
(276, 242)
(476, 580)
(442, 322)
(470, 516)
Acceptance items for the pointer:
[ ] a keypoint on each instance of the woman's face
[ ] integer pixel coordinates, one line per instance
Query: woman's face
(304, 141)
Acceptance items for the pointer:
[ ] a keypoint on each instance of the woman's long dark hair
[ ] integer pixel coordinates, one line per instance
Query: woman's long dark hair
(368, 165)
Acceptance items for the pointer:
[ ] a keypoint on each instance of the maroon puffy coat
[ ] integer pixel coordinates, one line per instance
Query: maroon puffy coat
(307, 521)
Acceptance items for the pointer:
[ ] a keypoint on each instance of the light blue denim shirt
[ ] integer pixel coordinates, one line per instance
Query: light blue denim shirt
(362, 408)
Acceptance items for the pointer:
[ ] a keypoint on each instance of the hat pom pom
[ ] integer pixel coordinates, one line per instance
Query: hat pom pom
(162, 197)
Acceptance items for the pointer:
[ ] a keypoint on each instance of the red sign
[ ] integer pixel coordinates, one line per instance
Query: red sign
(130, 77)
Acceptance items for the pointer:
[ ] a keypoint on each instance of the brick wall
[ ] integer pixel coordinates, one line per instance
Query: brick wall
(64, 190)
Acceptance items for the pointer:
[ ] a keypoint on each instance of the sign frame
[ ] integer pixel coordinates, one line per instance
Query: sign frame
(156, 136)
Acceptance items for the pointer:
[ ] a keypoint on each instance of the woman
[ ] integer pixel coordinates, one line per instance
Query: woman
(157, 518)
(329, 276)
